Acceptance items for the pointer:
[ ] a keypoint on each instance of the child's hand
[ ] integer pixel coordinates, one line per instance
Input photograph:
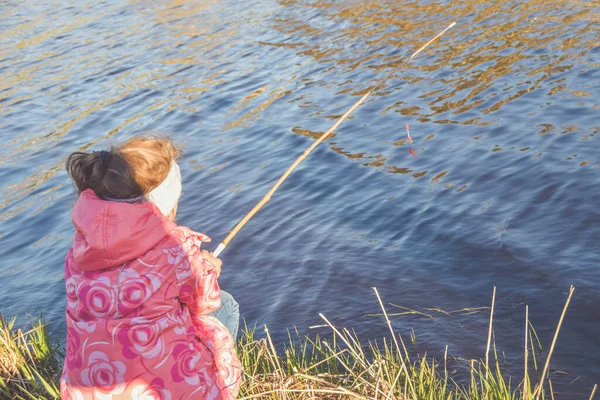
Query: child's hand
(213, 260)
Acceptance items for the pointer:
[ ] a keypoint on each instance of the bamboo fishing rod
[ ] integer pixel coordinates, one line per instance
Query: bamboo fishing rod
(324, 136)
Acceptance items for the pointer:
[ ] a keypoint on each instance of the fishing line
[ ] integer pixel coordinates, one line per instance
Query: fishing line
(283, 177)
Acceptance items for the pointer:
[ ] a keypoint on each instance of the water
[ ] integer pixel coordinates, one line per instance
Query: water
(504, 115)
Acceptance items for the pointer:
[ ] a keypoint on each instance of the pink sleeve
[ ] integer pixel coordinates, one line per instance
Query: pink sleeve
(199, 290)
(222, 346)
(197, 278)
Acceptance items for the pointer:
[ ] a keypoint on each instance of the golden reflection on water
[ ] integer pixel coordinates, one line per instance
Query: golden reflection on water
(15, 41)
(499, 52)
(255, 113)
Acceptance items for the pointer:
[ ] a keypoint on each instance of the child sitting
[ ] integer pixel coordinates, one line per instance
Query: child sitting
(143, 302)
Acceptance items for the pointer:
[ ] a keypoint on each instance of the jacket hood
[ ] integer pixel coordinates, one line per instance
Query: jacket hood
(110, 233)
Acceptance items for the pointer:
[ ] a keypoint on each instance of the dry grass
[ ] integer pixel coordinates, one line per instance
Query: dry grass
(337, 367)
(343, 367)
(29, 364)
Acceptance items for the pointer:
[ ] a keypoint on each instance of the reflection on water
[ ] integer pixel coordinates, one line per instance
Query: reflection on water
(502, 109)
(499, 52)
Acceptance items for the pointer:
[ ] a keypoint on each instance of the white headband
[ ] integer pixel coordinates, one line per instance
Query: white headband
(166, 195)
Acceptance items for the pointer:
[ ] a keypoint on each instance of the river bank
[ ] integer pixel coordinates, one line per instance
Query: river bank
(336, 366)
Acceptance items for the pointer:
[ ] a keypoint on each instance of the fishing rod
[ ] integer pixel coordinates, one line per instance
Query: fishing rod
(283, 177)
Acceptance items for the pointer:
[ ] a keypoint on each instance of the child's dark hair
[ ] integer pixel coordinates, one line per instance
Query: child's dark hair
(127, 171)
(107, 173)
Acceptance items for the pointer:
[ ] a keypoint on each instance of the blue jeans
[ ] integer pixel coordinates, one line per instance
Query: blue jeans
(228, 313)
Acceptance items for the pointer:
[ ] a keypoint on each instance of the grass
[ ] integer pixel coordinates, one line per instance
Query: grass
(343, 367)
(338, 366)
(30, 364)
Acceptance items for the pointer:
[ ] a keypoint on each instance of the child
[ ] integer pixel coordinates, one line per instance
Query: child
(142, 298)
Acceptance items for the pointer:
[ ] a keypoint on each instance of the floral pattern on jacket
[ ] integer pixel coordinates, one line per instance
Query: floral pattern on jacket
(142, 329)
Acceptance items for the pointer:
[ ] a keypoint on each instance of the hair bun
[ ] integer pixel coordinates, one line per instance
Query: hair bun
(104, 157)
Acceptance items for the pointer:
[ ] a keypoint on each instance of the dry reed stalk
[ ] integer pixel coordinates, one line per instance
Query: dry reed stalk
(400, 336)
(338, 387)
(410, 311)
(539, 387)
(377, 383)
(325, 360)
(358, 377)
(593, 392)
(274, 352)
(388, 397)
(352, 338)
(260, 353)
(402, 363)
(551, 389)
(525, 374)
(489, 339)
(340, 391)
(283, 177)
(446, 364)
(316, 379)
(352, 350)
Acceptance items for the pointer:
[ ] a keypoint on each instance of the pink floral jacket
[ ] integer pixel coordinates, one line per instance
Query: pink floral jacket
(139, 296)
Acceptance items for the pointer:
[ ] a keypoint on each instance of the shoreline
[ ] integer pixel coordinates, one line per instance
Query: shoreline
(338, 367)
